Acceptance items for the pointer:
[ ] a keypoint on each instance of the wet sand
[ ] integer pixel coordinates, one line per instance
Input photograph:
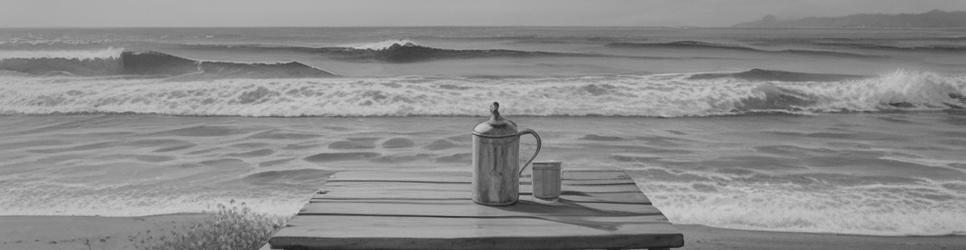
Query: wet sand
(87, 232)
(93, 232)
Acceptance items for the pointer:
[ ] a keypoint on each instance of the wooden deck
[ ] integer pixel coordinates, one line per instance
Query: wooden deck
(598, 209)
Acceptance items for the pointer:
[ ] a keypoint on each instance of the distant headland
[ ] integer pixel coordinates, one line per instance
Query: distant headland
(931, 19)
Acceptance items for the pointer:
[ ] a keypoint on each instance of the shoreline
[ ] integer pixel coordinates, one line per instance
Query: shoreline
(100, 232)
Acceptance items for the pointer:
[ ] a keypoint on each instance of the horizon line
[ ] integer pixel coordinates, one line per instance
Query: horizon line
(366, 26)
(461, 26)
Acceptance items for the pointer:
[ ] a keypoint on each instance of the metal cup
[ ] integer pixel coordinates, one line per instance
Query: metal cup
(546, 179)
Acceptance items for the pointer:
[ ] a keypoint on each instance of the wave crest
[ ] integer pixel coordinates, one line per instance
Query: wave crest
(406, 52)
(777, 75)
(381, 45)
(399, 51)
(719, 46)
(108, 53)
(937, 48)
(669, 95)
(119, 62)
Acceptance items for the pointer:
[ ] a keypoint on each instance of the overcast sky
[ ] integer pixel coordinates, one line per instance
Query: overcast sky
(99, 13)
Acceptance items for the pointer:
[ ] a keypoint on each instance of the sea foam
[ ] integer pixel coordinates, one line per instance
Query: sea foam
(108, 53)
(807, 203)
(666, 95)
(110, 62)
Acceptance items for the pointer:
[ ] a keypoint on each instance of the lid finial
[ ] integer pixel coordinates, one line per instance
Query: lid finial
(496, 126)
(495, 111)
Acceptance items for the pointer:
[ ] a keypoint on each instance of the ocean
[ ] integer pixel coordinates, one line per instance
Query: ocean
(847, 131)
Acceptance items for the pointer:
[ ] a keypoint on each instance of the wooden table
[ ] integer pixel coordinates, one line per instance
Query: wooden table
(598, 209)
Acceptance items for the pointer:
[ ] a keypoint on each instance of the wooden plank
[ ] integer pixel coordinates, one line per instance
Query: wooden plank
(447, 186)
(379, 232)
(405, 174)
(461, 208)
(599, 191)
(431, 176)
(396, 185)
(596, 194)
(576, 196)
(376, 180)
(593, 174)
(450, 176)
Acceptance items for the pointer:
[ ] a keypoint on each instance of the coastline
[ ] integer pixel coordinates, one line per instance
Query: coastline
(96, 232)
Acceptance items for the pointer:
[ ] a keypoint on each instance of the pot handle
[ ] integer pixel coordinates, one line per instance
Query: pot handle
(536, 136)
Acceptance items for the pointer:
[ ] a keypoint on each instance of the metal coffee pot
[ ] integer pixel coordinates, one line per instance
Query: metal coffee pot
(496, 161)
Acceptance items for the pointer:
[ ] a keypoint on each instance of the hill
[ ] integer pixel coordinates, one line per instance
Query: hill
(931, 19)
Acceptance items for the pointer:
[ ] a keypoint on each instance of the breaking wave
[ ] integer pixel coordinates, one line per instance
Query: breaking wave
(397, 51)
(808, 202)
(664, 95)
(112, 61)
(901, 48)
(64, 54)
(776, 75)
(709, 45)
(382, 45)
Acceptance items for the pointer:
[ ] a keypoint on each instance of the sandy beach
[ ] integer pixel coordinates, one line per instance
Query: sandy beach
(94, 232)
(87, 232)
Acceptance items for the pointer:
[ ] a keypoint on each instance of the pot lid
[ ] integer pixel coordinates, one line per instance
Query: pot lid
(497, 126)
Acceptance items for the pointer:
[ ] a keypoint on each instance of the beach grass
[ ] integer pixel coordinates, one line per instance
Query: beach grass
(231, 226)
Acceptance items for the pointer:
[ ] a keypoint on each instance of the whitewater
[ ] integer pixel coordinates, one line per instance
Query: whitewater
(662, 95)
